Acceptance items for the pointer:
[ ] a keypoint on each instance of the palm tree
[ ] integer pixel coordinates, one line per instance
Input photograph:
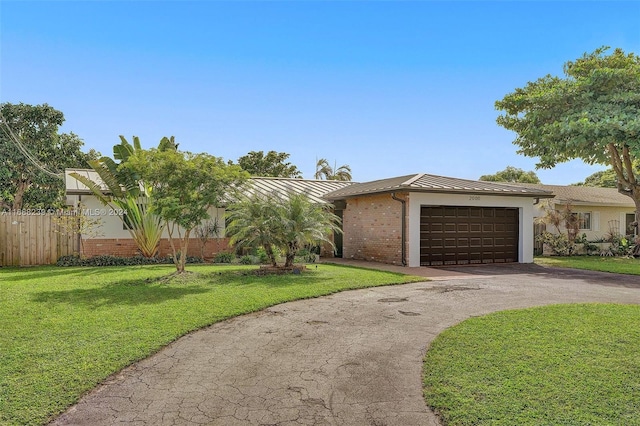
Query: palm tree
(303, 223)
(342, 173)
(253, 222)
(286, 223)
(323, 169)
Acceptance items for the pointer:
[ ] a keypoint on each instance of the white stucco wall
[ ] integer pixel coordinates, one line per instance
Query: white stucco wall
(525, 206)
(602, 219)
(112, 224)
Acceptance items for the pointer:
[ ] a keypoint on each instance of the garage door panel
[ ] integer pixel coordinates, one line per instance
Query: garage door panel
(475, 227)
(488, 228)
(450, 227)
(468, 235)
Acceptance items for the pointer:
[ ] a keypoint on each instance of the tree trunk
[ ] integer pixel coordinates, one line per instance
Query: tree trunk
(636, 239)
(627, 182)
(289, 260)
(272, 258)
(173, 246)
(184, 246)
(290, 256)
(23, 185)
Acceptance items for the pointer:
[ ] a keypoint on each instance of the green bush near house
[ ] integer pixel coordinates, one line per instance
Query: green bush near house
(64, 330)
(223, 257)
(555, 365)
(107, 260)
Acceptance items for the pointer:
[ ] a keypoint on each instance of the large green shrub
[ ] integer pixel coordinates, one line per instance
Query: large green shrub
(108, 260)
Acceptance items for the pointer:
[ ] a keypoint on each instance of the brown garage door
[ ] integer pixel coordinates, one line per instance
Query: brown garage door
(451, 235)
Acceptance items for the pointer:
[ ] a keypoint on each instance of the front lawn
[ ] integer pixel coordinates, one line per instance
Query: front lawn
(619, 265)
(555, 365)
(64, 330)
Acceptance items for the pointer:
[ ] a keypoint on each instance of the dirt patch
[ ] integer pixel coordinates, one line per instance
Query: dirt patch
(280, 270)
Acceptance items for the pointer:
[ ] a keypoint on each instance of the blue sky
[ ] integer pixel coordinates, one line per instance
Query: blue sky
(390, 88)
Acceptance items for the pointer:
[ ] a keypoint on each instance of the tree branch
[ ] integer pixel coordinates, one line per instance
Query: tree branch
(628, 165)
(616, 162)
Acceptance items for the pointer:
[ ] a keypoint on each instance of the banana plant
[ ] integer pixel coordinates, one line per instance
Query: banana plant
(121, 189)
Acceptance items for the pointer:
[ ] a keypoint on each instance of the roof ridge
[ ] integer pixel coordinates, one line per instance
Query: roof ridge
(413, 179)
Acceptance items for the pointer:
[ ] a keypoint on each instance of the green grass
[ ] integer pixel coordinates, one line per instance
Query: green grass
(64, 330)
(618, 265)
(556, 365)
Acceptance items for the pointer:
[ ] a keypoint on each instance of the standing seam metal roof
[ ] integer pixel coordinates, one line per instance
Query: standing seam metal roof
(314, 189)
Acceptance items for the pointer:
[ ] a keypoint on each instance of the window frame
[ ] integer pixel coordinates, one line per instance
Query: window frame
(583, 224)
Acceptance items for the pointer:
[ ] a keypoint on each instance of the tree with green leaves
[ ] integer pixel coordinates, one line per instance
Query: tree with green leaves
(606, 178)
(254, 222)
(305, 223)
(124, 190)
(513, 175)
(34, 156)
(185, 187)
(592, 113)
(603, 179)
(325, 171)
(288, 223)
(273, 164)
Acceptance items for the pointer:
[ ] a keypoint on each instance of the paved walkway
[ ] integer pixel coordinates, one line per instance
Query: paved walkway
(353, 358)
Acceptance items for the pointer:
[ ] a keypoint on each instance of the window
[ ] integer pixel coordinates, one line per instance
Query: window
(629, 219)
(584, 221)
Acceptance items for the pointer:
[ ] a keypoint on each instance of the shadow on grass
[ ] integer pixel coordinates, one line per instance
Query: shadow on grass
(42, 273)
(133, 292)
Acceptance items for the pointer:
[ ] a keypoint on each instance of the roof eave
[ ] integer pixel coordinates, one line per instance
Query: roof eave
(545, 194)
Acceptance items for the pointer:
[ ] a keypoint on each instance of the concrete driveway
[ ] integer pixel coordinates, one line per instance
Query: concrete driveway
(353, 358)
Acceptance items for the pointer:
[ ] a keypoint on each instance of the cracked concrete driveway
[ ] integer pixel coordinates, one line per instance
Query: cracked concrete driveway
(353, 358)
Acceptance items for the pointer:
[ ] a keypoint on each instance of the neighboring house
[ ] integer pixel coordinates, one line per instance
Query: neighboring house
(427, 220)
(601, 211)
(411, 220)
(116, 240)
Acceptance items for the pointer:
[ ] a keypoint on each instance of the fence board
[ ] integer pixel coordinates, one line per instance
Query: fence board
(33, 239)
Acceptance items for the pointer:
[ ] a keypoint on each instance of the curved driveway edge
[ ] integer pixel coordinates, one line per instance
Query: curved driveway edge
(353, 358)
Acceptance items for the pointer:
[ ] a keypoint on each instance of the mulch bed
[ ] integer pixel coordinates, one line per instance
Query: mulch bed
(280, 270)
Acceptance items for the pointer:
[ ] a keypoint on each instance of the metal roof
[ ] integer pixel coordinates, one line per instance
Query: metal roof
(423, 182)
(584, 195)
(314, 189)
(75, 187)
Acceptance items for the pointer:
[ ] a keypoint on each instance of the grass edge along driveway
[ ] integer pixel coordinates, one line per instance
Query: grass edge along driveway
(617, 265)
(65, 330)
(556, 364)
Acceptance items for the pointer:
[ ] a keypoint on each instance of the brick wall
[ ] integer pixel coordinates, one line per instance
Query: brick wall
(126, 247)
(372, 228)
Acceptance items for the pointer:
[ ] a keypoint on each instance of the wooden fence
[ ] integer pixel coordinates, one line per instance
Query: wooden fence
(34, 238)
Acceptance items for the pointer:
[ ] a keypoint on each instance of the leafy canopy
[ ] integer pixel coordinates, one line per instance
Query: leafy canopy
(606, 178)
(512, 174)
(273, 164)
(288, 223)
(185, 187)
(122, 188)
(593, 113)
(24, 184)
